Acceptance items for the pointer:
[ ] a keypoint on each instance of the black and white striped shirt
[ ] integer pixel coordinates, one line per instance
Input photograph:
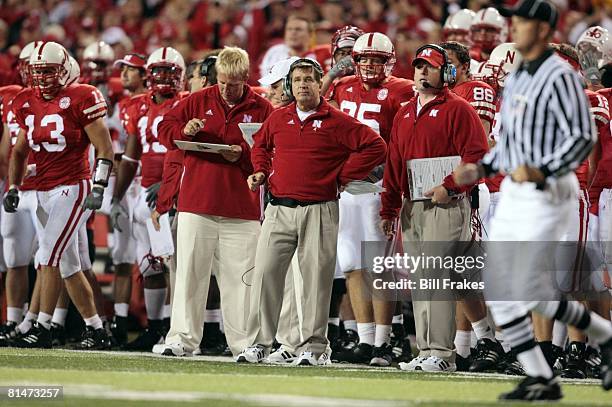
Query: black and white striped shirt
(545, 120)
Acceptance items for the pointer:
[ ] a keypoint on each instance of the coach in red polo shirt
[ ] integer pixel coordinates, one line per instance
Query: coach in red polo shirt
(435, 123)
(306, 151)
(218, 214)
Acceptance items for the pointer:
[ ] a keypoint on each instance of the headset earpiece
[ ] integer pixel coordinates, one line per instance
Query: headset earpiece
(300, 62)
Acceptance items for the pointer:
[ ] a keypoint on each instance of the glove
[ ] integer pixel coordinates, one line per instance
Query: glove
(11, 200)
(344, 67)
(93, 201)
(117, 211)
(151, 196)
(589, 63)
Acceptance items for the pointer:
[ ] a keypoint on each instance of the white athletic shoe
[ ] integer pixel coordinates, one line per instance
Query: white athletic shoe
(325, 358)
(306, 358)
(159, 348)
(252, 354)
(281, 357)
(414, 364)
(175, 349)
(436, 364)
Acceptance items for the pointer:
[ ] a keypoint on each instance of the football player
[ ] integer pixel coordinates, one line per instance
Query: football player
(372, 96)
(57, 125)
(488, 30)
(165, 76)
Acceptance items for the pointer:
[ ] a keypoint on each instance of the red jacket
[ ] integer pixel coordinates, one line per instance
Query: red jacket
(212, 185)
(446, 126)
(313, 158)
(171, 181)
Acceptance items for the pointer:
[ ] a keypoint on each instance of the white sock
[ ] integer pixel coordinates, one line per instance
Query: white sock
(473, 340)
(167, 311)
(462, 343)
(212, 315)
(26, 307)
(110, 240)
(44, 320)
(535, 363)
(483, 330)
(559, 335)
(59, 316)
(350, 324)
(334, 321)
(154, 302)
(382, 335)
(398, 319)
(121, 309)
(600, 329)
(26, 324)
(366, 332)
(14, 314)
(95, 322)
(500, 338)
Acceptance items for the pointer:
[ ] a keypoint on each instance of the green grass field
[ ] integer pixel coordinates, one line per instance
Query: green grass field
(124, 379)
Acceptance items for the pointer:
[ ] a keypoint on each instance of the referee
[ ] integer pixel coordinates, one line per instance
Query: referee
(546, 132)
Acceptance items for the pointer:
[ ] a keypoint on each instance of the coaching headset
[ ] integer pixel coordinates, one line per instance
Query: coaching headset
(298, 63)
(207, 69)
(448, 71)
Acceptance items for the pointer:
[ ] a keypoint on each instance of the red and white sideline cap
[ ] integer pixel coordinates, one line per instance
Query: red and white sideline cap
(430, 55)
(133, 60)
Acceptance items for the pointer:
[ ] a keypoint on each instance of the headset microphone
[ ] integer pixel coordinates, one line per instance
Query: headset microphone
(427, 85)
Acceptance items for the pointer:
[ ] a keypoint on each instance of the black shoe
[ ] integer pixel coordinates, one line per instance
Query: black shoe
(488, 354)
(576, 362)
(119, 331)
(606, 364)
(513, 366)
(58, 334)
(560, 360)
(213, 341)
(400, 343)
(148, 338)
(593, 363)
(94, 339)
(362, 353)
(382, 355)
(535, 388)
(37, 337)
(8, 333)
(463, 364)
(350, 339)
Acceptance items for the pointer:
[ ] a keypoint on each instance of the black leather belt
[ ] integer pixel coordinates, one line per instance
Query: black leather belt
(289, 202)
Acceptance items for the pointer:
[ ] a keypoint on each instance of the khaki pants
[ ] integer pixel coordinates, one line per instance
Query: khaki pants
(423, 221)
(312, 232)
(200, 238)
(291, 316)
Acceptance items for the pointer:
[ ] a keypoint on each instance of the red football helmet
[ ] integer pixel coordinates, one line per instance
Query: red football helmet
(97, 64)
(343, 38)
(374, 45)
(165, 71)
(49, 69)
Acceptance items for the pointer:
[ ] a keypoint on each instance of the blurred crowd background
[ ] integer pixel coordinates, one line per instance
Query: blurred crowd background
(193, 27)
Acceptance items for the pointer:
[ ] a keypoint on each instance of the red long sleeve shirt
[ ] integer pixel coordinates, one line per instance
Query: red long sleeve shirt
(211, 185)
(446, 126)
(171, 181)
(311, 159)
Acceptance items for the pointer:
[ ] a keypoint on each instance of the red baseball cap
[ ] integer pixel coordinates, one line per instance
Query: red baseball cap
(133, 60)
(430, 55)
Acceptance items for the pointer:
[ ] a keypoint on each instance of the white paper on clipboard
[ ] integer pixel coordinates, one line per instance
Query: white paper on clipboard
(248, 129)
(362, 188)
(201, 147)
(161, 241)
(426, 173)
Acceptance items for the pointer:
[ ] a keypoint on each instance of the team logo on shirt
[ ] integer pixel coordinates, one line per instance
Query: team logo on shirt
(64, 102)
(209, 112)
(433, 113)
(317, 124)
(26, 104)
(290, 122)
(247, 118)
(349, 89)
(382, 94)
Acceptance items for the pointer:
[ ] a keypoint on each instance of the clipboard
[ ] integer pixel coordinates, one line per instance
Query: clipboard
(426, 173)
(201, 147)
